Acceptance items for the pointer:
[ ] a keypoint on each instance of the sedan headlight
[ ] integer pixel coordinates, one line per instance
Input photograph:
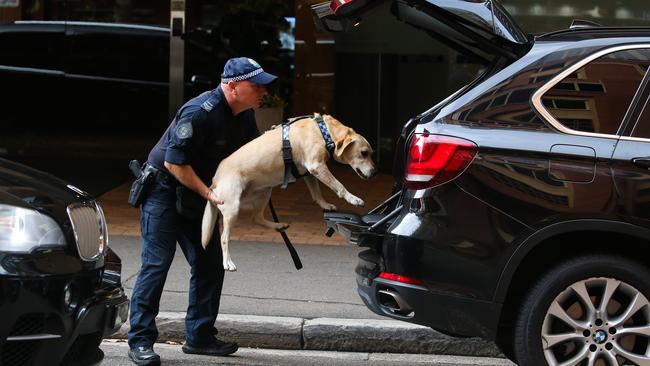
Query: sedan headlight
(22, 230)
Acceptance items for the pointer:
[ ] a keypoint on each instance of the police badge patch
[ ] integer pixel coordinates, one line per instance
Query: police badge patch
(254, 63)
(184, 130)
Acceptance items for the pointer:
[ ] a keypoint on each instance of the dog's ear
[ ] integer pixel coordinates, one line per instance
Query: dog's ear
(343, 144)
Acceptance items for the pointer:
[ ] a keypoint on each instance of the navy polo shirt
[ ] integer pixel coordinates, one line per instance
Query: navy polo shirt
(203, 133)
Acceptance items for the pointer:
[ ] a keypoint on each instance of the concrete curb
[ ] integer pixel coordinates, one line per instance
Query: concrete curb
(326, 334)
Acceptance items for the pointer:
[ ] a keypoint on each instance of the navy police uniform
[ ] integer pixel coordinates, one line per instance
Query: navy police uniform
(204, 132)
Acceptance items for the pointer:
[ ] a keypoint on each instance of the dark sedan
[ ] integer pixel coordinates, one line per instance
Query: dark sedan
(521, 206)
(60, 287)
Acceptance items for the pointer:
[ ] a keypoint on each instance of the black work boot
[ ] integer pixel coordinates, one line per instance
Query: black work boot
(217, 348)
(144, 355)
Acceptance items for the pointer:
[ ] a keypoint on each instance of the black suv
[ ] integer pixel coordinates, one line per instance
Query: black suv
(522, 202)
(60, 286)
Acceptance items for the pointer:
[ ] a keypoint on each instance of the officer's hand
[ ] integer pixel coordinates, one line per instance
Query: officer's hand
(213, 198)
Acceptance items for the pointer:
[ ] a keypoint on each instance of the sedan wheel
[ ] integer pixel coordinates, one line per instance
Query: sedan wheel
(592, 311)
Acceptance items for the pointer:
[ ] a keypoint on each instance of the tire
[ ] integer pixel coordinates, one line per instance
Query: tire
(618, 285)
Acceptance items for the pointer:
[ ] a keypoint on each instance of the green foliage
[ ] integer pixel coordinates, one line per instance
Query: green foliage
(273, 101)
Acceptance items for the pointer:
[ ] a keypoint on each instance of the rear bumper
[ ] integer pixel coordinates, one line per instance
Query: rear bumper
(43, 331)
(451, 314)
(454, 243)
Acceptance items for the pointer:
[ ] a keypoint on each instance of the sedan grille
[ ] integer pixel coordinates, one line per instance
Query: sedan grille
(89, 225)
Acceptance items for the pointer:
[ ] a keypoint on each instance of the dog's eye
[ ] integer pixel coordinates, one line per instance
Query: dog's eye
(364, 154)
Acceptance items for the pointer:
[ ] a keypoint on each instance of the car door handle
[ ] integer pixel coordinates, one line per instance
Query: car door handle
(642, 162)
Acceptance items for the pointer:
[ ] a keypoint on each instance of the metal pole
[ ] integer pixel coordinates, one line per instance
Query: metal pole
(176, 56)
(378, 150)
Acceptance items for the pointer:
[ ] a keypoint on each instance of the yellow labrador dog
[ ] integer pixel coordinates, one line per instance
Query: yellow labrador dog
(244, 179)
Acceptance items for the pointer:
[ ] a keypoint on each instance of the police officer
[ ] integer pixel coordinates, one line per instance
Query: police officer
(205, 130)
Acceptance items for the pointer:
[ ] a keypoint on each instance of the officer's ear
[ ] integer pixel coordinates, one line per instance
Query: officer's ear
(232, 87)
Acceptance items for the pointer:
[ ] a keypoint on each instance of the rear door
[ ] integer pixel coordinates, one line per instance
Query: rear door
(631, 164)
(479, 29)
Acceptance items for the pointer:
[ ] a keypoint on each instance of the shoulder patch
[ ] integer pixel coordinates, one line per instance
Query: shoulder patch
(209, 103)
(184, 130)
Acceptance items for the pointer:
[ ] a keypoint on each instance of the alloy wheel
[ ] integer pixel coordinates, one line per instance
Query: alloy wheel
(597, 322)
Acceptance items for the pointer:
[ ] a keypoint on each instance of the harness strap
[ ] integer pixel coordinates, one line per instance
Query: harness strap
(289, 166)
(287, 242)
(329, 142)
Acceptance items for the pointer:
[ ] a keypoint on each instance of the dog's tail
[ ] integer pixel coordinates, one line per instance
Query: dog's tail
(210, 215)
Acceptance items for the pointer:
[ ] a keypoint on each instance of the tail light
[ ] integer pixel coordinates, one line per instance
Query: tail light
(437, 159)
(400, 278)
(345, 7)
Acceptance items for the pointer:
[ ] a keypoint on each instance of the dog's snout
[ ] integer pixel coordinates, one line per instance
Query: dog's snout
(366, 173)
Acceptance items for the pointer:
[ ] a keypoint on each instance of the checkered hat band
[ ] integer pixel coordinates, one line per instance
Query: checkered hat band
(243, 77)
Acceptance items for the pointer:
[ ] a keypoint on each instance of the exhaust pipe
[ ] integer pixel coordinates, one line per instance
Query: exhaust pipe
(394, 302)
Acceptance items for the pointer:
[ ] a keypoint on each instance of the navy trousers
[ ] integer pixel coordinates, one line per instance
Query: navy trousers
(162, 227)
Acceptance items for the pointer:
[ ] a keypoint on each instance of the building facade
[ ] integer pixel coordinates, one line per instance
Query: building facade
(373, 78)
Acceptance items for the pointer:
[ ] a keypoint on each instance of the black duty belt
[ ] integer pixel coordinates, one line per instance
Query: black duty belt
(160, 175)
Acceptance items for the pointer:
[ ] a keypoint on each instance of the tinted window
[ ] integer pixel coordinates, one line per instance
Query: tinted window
(596, 97)
(119, 53)
(38, 50)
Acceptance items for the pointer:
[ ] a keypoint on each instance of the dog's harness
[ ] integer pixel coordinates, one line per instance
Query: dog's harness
(290, 168)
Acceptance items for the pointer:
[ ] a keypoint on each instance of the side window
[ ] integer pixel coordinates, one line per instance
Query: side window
(596, 97)
(117, 54)
(38, 50)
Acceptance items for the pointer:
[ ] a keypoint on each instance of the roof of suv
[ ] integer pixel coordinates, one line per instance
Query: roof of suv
(594, 32)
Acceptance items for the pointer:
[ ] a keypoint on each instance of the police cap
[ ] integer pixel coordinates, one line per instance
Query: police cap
(244, 68)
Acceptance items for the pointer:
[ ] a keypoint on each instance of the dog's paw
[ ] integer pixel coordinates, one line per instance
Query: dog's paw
(355, 201)
(229, 266)
(281, 226)
(327, 206)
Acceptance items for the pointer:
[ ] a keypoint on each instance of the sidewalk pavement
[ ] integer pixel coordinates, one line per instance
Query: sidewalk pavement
(267, 303)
